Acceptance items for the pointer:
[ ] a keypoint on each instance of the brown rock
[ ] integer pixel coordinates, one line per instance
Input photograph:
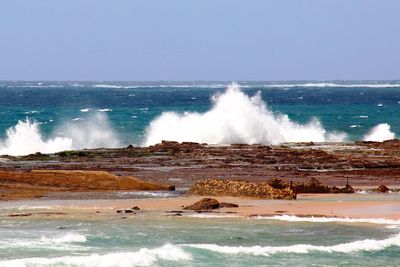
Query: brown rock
(383, 189)
(204, 204)
(214, 187)
(35, 183)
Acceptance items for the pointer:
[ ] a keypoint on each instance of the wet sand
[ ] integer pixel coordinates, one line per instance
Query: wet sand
(338, 205)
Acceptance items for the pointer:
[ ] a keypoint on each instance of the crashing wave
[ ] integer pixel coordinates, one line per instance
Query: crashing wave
(236, 118)
(355, 246)
(26, 138)
(143, 257)
(379, 133)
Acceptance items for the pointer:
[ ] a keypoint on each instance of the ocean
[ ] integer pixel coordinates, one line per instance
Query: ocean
(48, 116)
(206, 239)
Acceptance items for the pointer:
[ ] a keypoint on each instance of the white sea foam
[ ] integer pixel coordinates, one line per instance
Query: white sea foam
(379, 133)
(293, 218)
(143, 257)
(356, 246)
(68, 241)
(107, 86)
(105, 110)
(85, 109)
(67, 238)
(236, 118)
(26, 137)
(324, 84)
(270, 85)
(93, 132)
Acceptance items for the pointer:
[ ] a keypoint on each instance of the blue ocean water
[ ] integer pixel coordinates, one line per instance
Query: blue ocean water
(128, 108)
(158, 240)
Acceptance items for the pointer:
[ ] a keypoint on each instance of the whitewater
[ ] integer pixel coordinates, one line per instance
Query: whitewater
(73, 115)
(198, 241)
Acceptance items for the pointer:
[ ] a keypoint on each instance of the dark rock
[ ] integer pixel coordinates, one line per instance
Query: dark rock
(278, 183)
(383, 189)
(204, 204)
(174, 215)
(136, 208)
(119, 211)
(348, 189)
(128, 211)
(228, 205)
(174, 211)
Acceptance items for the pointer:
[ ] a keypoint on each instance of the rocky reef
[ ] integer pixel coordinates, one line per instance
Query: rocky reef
(313, 185)
(236, 188)
(183, 164)
(36, 183)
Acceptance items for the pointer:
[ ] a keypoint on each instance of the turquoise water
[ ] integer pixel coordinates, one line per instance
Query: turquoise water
(147, 240)
(120, 113)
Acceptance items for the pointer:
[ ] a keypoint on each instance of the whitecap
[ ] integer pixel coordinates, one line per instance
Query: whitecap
(143, 257)
(355, 126)
(85, 109)
(351, 247)
(293, 218)
(105, 110)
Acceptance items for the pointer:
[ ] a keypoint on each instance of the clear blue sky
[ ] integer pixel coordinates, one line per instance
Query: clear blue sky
(199, 39)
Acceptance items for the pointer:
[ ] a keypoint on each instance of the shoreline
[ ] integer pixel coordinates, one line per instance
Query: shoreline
(307, 205)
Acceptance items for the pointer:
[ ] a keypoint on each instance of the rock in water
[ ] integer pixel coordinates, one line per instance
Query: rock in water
(204, 204)
(382, 189)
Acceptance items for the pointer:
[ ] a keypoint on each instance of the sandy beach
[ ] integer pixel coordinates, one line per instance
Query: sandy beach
(316, 205)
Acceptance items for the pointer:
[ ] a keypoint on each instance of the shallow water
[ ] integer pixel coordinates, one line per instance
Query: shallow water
(154, 239)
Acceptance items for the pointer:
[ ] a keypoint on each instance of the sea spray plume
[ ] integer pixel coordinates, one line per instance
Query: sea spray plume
(25, 138)
(379, 133)
(235, 118)
(93, 131)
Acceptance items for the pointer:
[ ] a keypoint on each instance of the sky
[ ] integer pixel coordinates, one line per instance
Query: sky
(130, 40)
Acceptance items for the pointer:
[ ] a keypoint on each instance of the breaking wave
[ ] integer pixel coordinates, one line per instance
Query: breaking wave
(293, 218)
(379, 133)
(236, 118)
(68, 241)
(91, 132)
(355, 246)
(143, 257)
(337, 85)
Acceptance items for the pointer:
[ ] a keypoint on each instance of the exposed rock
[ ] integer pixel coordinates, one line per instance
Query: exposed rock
(228, 205)
(214, 187)
(35, 183)
(383, 189)
(128, 211)
(204, 204)
(313, 185)
(136, 208)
